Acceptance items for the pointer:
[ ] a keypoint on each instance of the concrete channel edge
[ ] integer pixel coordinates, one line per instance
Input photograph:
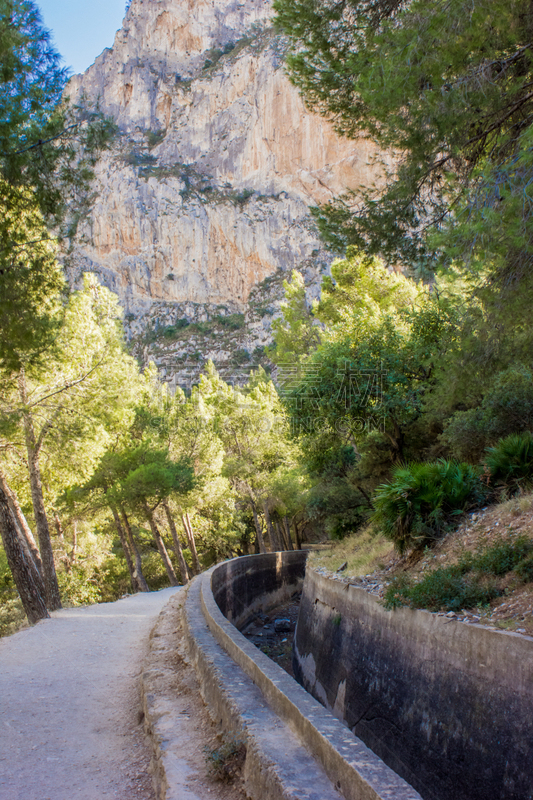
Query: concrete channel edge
(295, 748)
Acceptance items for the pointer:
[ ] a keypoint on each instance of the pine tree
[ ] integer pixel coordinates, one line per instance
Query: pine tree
(446, 89)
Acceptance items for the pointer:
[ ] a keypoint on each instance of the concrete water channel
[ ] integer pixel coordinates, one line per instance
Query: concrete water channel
(299, 748)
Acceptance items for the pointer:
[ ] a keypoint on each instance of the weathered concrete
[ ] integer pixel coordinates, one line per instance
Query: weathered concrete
(277, 766)
(358, 774)
(243, 586)
(447, 705)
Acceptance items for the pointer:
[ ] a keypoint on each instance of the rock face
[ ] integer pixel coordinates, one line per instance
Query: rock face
(206, 191)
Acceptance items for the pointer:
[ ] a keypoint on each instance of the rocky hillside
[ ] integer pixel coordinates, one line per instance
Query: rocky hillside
(367, 559)
(205, 193)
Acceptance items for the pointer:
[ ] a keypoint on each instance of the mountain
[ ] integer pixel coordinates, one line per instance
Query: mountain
(202, 203)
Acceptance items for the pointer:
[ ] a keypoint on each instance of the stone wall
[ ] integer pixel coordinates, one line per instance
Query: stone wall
(447, 705)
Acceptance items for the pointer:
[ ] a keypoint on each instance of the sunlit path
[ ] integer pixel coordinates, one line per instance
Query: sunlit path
(69, 715)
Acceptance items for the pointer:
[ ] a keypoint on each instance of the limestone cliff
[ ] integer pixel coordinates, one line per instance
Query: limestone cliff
(206, 191)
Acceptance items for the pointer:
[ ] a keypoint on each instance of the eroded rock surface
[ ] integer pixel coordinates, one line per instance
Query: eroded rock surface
(207, 188)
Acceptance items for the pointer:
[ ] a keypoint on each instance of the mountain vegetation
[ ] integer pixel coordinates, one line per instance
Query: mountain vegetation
(403, 396)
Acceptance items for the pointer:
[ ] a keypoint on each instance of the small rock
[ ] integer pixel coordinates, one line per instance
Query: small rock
(282, 625)
(450, 614)
(520, 630)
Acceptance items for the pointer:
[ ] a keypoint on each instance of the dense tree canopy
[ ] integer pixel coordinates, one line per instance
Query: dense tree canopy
(45, 143)
(30, 280)
(447, 87)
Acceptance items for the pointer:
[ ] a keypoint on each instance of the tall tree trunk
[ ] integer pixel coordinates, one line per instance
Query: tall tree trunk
(282, 535)
(74, 551)
(192, 570)
(37, 575)
(126, 548)
(22, 525)
(288, 533)
(258, 530)
(274, 544)
(297, 535)
(196, 560)
(192, 544)
(53, 598)
(160, 546)
(59, 528)
(18, 560)
(177, 544)
(141, 580)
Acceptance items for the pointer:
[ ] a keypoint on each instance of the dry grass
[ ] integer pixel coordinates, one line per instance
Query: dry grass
(363, 552)
(370, 554)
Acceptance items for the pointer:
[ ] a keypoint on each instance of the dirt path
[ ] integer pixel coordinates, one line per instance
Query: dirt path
(69, 704)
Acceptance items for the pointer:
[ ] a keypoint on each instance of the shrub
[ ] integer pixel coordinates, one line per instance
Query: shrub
(503, 556)
(507, 407)
(136, 158)
(171, 330)
(446, 588)
(225, 762)
(232, 321)
(240, 357)
(510, 462)
(12, 614)
(154, 138)
(471, 582)
(525, 568)
(418, 505)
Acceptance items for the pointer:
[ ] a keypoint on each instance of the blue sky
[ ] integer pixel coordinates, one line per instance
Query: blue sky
(82, 28)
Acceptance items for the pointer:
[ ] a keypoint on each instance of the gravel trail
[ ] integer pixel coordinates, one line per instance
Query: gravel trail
(69, 704)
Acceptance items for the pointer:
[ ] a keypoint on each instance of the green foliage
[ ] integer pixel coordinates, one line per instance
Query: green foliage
(510, 462)
(335, 500)
(45, 144)
(213, 57)
(171, 330)
(30, 281)
(448, 91)
(139, 158)
(374, 364)
(154, 138)
(361, 290)
(232, 322)
(136, 474)
(225, 761)
(525, 569)
(421, 501)
(240, 357)
(295, 336)
(80, 585)
(150, 474)
(467, 584)
(506, 408)
(11, 611)
(444, 589)
(154, 571)
(501, 557)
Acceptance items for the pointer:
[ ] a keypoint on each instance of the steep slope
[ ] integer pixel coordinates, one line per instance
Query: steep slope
(206, 191)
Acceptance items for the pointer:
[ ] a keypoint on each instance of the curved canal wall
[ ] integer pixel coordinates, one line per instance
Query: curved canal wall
(448, 706)
(295, 748)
